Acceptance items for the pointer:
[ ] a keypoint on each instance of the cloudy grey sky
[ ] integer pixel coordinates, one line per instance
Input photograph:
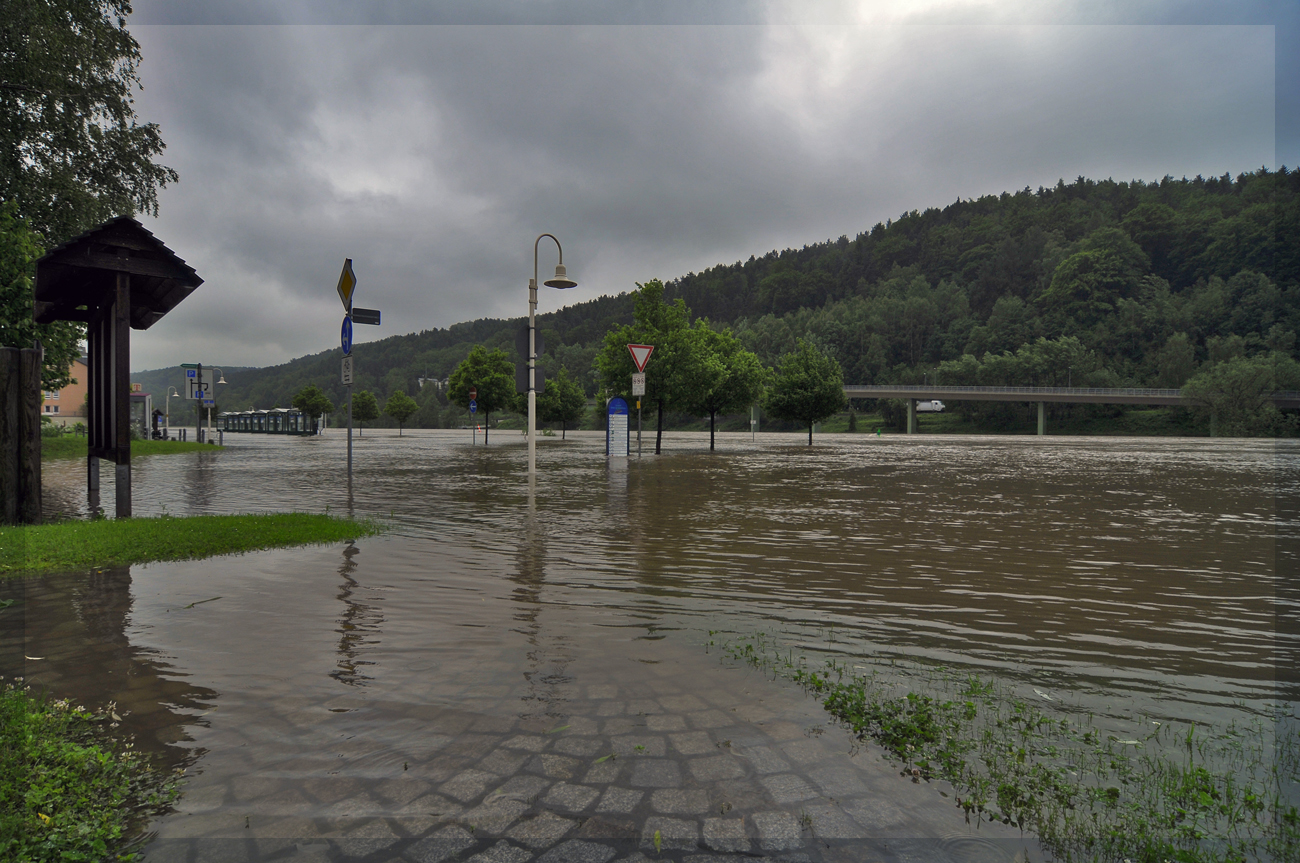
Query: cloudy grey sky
(432, 144)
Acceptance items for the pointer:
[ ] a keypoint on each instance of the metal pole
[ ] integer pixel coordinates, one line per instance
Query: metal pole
(350, 433)
(532, 366)
(198, 420)
(638, 428)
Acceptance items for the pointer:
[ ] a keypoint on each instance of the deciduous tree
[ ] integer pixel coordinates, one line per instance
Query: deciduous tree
(313, 402)
(809, 387)
(492, 374)
(722, 379)
(400, 406)
(365, 408)
(562, 402)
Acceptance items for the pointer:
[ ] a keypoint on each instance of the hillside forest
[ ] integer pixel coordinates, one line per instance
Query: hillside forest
(1175, 283)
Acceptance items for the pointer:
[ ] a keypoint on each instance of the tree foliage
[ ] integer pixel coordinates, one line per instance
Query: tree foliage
(312, 402)
(365, 408)
(809, 387)
(563, 401)
(400, 406)
(722, 378)
(19, 249)
(72, 153)
(492, 374)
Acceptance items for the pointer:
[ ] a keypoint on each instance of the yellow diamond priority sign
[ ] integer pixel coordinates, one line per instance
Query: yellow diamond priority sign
(347, 284)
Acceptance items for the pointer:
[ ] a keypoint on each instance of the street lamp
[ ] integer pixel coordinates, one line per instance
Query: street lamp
(221, 381)
(561, 280)
(171, 391)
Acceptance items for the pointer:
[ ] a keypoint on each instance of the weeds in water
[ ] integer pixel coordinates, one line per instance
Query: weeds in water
(1184, 793)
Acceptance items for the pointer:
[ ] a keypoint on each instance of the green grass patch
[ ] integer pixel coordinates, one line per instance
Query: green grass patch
(71, 789)
(74, 446)
(73, 545)
(1151, 793)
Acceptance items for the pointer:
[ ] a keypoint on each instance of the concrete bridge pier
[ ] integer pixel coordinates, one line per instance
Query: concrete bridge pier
(911, 416)
(1042, 417)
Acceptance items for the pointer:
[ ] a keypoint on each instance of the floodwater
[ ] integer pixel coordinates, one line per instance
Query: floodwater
(454, 687)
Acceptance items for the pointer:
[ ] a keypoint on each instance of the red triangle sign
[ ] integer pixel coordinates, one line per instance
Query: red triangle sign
(641, 355)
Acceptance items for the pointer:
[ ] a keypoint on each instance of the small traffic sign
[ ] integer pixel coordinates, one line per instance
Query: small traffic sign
(189, 366)
(641, 355)
(347, 284)
(197, 390)
(473, 406)
(473, 393)
(347, 371)
(365, 316)
(346, 336)
(638, 384)
(207, 403)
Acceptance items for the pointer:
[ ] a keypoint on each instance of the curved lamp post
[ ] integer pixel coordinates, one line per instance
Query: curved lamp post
(171, 391)
(561, 280)
(222, 380)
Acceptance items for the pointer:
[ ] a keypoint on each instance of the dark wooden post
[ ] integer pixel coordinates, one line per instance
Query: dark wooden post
(122, 393)
(20, 435)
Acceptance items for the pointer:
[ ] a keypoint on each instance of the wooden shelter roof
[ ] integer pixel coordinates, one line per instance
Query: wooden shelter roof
(79, 277)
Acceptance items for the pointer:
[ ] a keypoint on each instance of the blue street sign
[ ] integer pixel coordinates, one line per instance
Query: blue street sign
(190, 373)
(347, 336)
(473, 406)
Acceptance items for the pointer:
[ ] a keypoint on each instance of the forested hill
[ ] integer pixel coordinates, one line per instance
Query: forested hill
(1135, 283)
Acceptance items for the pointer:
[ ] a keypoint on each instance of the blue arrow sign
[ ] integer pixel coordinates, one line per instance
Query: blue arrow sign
(347, 336)
(473, 406)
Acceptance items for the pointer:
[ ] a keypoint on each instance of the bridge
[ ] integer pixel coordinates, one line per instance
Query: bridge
(1042, 395)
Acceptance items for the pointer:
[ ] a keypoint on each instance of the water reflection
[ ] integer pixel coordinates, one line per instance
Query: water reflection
(358, 627)
(74, 638)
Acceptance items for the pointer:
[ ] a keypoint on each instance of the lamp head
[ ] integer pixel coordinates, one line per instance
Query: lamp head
(561, 279)
(223, 378)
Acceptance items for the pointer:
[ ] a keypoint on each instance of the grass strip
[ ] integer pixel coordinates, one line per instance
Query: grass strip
(73, 545)
(70, 788)
(74, 446)
(1185, 793)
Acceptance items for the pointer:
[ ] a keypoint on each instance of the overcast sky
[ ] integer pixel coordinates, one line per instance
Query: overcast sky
(432, 144)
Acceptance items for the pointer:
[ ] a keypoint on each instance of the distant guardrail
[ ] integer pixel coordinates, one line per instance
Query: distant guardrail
(1093, 395)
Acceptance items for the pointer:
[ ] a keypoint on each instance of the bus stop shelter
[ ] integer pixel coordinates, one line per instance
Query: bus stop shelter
(114, 278)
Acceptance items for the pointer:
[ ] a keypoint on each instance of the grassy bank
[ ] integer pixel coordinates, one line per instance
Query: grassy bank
(69, 789)
(72, 545)
(74, 446)
(1151, 793)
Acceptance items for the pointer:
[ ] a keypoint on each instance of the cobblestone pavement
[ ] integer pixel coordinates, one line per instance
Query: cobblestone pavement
(414, 708)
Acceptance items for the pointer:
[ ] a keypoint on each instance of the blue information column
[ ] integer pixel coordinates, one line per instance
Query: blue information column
(617, 429)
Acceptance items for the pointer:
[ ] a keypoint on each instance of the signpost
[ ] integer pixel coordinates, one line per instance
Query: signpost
(616, 429)
(473, 409)
(347, 285)
(640, 356)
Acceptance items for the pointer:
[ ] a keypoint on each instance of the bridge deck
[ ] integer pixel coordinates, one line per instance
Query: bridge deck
(1085, 395)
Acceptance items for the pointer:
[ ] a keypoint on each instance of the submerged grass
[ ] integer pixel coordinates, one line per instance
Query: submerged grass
(71, 789)
(71, 545)
(1174, 792)
(74, 446)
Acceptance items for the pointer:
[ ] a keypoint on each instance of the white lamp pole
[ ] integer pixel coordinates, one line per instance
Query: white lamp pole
(221, 381)
(171, 391)
(561, 280)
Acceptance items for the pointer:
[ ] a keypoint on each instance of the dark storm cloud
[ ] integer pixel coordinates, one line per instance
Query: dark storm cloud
(434, 155)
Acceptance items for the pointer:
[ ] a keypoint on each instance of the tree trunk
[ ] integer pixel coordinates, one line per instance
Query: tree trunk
(711, 415)
(564, 429)
(810, 425)
(659, 433)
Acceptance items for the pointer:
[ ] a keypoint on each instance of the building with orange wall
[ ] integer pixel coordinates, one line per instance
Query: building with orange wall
(68, 405)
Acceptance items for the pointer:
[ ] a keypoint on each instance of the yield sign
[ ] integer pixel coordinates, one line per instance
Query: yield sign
(640, 355)
(347, 283)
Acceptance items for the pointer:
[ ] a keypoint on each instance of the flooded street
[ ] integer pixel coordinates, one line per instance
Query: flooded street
(528, 675)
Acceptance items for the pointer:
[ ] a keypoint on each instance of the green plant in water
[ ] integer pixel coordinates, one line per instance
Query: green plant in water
(1186, 794)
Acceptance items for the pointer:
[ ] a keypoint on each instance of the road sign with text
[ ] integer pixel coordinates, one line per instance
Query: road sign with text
(638, 385)
(641, 355)
(347, 371)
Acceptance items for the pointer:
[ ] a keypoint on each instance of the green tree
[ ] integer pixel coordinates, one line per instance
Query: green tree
(563, 402)
(365, 408)
(71, 152)
(658, 323)
(492, 374)
(313, 402)
(1235, 395)
(723, 378)
(19, 249)
(809, 387)
(400, 406)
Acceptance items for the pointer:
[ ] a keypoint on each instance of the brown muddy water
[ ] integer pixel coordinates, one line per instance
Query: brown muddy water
(457, 687)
